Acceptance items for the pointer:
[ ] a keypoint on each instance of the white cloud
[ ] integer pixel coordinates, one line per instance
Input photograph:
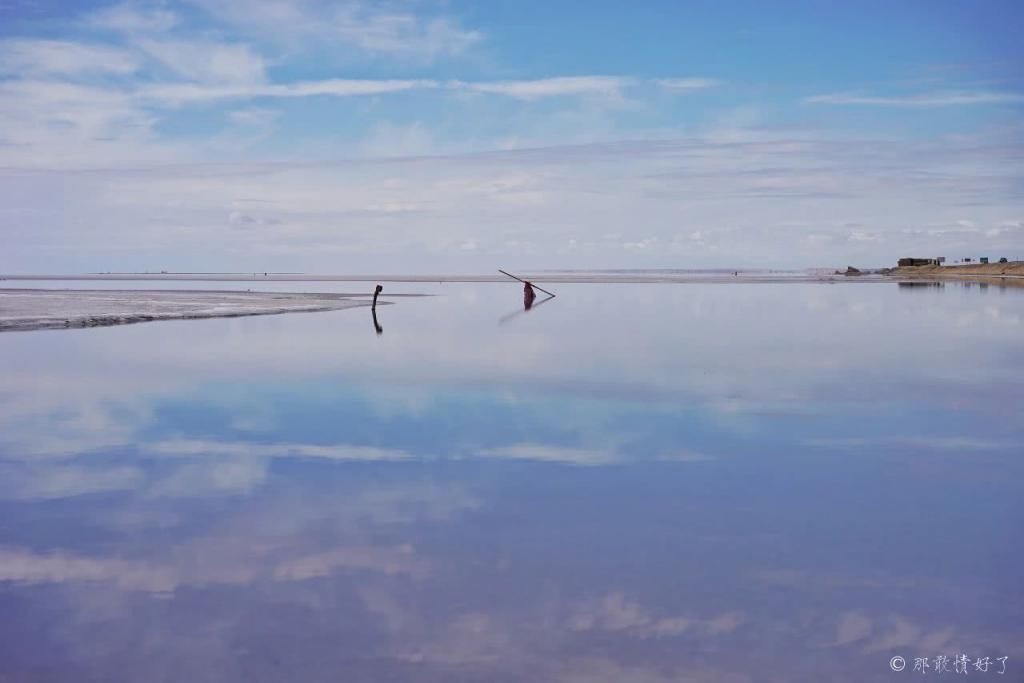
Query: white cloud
(356, 27)
(686, 84)
(207, 62)
(405, 34)
(255, 116)
(853, 626)
(901, 634)
(186, 447)
(65, 58)
(549, 87)
(399, 560)
(24, 566)
(945, 98)
(395, 140)
(690, 198)
(192, 92)
(204, 562)
(962, 444)
(132, 18)
(215, 477)
(47, 481)
(51, 123)
(617, 613)
(547, 453)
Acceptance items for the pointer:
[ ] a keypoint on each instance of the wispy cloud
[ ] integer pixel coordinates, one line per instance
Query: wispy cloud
(26, 567)
(945, 98)
(400, 560)
(853, 625)
(686, 84)
(204, 61)
(358, 27)
(132, 18)
(186, 448)
(46, 481)
(149, 83)
(962, 444)
(184, 93)
(63, 58)
(229, 564)
(547, 453)
(236, 66)
(254, 117)
(550, 87)
(616, 613)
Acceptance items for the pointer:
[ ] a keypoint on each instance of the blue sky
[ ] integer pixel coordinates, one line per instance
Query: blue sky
(421, 136)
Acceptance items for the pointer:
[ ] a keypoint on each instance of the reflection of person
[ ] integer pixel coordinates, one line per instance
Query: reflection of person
(528, 295)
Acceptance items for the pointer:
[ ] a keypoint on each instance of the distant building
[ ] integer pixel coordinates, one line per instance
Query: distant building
(984, 259)
(917, 262)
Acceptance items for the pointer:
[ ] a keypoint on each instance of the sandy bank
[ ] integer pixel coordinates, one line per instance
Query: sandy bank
(1011, 270)
(39, 309)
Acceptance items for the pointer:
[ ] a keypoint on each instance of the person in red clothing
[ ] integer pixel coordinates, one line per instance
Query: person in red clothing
(528, 295)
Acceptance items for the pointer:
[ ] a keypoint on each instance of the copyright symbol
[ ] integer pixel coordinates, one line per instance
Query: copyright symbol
(897, 663)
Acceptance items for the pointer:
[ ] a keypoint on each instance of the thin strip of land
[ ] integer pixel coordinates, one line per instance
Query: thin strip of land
(552, 277)
(968, 271)
(41, 309)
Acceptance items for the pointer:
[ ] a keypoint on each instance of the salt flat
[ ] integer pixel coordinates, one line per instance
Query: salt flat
(36, 309)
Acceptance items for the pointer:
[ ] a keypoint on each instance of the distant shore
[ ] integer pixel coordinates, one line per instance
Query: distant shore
(970, 271)
(994, 272)
(654, 276)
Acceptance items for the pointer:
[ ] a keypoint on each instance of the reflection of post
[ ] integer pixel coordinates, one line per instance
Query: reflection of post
(528, 296)
(523, 311)
(373, 310)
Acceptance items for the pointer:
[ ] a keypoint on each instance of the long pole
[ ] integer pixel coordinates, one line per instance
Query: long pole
(522, 280)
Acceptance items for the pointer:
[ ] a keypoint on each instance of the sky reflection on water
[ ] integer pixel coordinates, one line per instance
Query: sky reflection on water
(634, 483)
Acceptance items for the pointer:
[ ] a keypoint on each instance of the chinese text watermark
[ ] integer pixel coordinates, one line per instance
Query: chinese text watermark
(943, 664)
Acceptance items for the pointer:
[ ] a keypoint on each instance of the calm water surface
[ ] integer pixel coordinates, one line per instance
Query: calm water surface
(630, 483)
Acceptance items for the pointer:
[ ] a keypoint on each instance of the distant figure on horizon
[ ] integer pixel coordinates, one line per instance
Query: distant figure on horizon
(528, 296)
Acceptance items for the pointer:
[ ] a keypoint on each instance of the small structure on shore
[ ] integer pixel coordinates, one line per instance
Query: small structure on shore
(904, 262)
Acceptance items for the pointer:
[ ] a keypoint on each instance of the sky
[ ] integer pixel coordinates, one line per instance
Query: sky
(416, 136)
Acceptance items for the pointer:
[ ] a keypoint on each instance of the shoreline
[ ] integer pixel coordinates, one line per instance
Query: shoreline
(552, 277)
(1011, 273)
(1001, 273)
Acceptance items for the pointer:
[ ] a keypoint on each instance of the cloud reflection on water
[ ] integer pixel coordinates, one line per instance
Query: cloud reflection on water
(671, 483)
